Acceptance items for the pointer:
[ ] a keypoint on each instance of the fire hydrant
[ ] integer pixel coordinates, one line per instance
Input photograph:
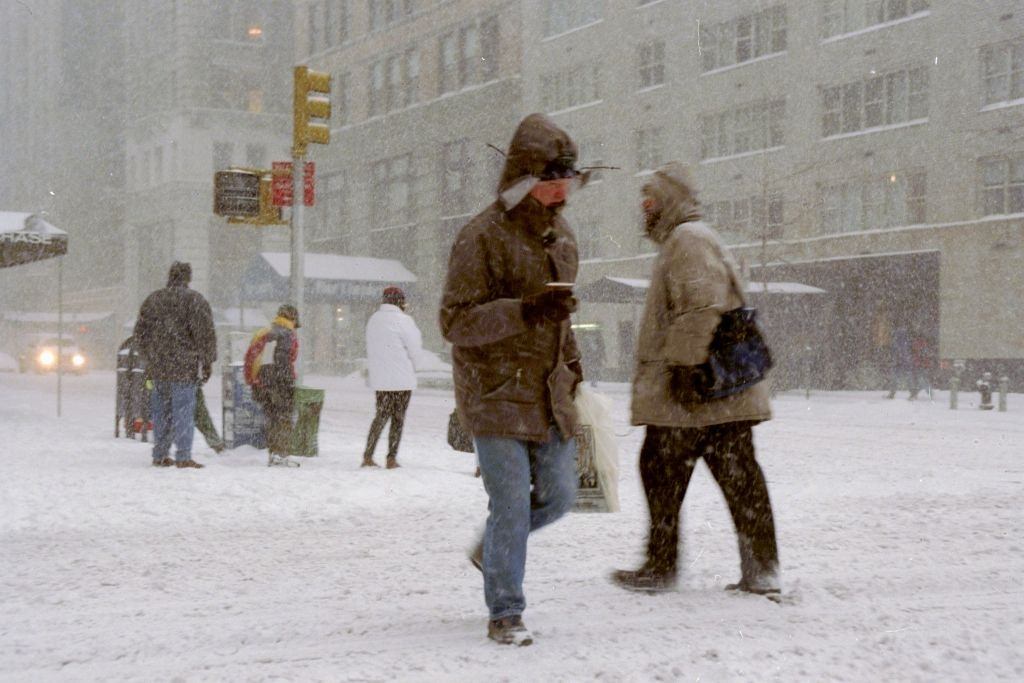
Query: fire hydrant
(985, 388)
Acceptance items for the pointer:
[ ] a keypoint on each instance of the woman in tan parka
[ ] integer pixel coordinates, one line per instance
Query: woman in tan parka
(694, 281)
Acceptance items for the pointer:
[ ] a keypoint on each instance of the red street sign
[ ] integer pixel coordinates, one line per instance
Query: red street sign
(309, 184)
(281, 183)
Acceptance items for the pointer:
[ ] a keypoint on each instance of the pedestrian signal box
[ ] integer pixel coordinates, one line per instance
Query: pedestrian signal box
(236, 193)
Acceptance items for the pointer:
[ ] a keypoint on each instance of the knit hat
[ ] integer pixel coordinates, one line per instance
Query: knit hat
(393, 295)
(179, 274)
(289, 312)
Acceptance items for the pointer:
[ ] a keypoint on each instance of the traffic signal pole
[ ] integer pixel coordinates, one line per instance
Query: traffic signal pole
(309, 101)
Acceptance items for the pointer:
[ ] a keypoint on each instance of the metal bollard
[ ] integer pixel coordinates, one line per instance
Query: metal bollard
(1004, 386)
(954, 387)
(985, 389)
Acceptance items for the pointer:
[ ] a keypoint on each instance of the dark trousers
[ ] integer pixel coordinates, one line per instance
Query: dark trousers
(278, 403)
(390, 405)
(667, 460)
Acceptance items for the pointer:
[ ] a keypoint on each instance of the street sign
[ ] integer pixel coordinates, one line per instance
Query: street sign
(309, 184)
(236, 193)
(281, 184)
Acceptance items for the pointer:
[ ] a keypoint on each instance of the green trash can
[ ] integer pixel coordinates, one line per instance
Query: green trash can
(308, 404)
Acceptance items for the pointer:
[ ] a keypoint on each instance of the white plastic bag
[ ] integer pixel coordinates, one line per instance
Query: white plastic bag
(594, 410)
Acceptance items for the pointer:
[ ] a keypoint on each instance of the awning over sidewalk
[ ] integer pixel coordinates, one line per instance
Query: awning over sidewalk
(330, 278)
(622, 290)
(43, 317)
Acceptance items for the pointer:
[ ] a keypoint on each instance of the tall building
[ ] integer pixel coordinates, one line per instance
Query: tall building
(869, 148)
(420, 90)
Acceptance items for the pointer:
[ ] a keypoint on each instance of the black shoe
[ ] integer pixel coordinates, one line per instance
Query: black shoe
(645, 579)
(164, 462)
(509, 631)
(768, 586)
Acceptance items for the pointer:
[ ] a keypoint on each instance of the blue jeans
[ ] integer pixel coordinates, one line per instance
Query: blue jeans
(508, 468)
(174, 407)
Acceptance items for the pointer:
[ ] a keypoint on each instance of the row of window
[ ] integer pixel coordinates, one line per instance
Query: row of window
(750, 35)
(878, 100)
(855, 204)
(329, 22)
(467, 55)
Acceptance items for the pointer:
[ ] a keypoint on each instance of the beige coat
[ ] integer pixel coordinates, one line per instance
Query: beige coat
(694, 281)
(512, 379)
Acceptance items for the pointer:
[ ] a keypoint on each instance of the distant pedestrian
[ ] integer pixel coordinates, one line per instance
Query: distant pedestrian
(922, 361)
(175, 335)
(394, 347)
(901, 364)
(506, 307)
(693, 282)
(270, 371)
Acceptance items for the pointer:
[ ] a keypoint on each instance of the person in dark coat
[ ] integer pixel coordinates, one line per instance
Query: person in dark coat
(693, 282)
(515, 360)
(175, 335)
(270, 371)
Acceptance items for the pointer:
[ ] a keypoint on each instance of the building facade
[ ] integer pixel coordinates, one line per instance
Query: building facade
(420, 90)
(872, 149)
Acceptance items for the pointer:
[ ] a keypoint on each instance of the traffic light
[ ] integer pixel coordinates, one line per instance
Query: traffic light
(308, 106)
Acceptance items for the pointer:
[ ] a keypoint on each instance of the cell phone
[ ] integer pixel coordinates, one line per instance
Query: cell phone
(560, 285)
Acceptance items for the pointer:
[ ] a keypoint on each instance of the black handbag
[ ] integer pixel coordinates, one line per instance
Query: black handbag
(739, 356)
(458, 438)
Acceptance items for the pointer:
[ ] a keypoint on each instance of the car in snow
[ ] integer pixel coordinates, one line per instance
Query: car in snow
(42, 353)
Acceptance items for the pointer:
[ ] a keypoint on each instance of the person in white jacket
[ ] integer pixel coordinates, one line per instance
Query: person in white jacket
(394, 347)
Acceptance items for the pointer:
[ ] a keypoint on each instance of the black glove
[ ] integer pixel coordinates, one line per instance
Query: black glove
(687, 383)
(206, 372)
(553, 305)
(577, 369)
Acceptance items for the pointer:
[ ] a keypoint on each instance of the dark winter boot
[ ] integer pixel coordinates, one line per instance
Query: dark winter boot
(368, 462)
(646, 579)
(163, 462)
(509, 631)
(189, 464)
(393, 464)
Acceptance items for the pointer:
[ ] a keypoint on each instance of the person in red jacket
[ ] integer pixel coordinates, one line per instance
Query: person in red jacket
(270, 371)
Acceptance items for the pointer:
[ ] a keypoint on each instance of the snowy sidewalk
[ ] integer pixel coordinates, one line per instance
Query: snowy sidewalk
(900, 529)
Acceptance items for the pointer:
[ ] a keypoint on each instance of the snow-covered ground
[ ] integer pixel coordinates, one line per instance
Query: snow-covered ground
(900, 527)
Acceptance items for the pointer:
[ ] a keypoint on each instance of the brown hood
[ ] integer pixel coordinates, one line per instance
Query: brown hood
(537, 141)
(672, 185)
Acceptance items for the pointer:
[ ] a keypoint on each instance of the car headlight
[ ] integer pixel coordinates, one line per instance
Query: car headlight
(78, 360)
(46, 359)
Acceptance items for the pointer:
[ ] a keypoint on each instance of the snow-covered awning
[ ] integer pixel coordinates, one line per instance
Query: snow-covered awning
(329, 278)
(26, 237)
(623, 290)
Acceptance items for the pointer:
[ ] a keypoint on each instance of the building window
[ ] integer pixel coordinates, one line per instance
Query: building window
(456, 178)
(384, 13)
(1002, 72)
(393, 203)
(570, 87)
(650, 148)
(877, 202)
(652, 64)
(839, 17)
(744, 38)
(1002, 184)
(564, 15)
(376, 101)
(879, 100)
(329, 219)
(469, 55)
(748, 128)
(748, 218)
(340, 99)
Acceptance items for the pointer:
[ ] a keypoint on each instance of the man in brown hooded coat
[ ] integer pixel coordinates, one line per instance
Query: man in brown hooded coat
(694, 281)
(516, 364)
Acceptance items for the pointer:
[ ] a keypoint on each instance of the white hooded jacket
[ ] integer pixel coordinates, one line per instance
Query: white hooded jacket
(394, 347)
